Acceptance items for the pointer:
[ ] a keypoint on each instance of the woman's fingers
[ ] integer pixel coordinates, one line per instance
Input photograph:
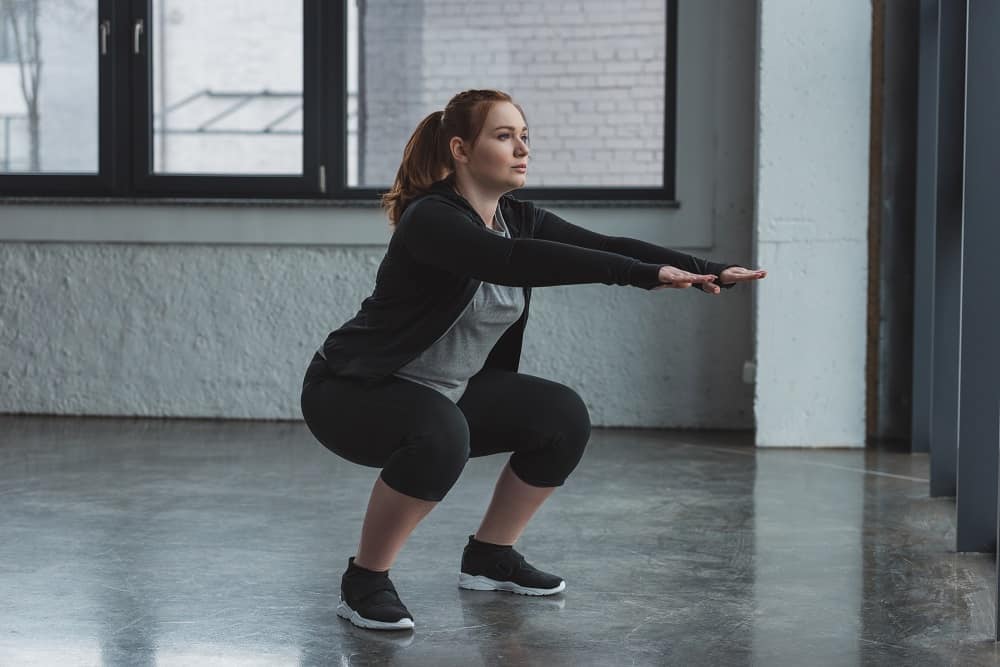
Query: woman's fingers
(740, 274)
(685, 277)
(679, 279)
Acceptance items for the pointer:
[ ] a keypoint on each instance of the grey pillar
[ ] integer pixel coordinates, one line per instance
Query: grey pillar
(897, 200)
(939, 222)
(979, 380)
(948, 246)
(996, 634)
(923, 240)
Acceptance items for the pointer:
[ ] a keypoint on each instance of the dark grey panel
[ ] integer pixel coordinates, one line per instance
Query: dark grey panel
(947, 239)
(979, 389)
(923, 251)
(896, 233)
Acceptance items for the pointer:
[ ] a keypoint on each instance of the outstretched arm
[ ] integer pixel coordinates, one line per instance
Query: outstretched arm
(437, 234)
(553, 228)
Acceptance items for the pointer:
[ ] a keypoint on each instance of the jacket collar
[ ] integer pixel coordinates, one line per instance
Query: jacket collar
(445, 189)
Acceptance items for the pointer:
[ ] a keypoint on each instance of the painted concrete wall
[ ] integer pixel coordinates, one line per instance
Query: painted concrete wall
(214, 312)
(812, 221)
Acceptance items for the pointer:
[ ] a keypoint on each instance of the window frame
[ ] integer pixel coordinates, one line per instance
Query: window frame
(125, 128)
(78, 184)
(148, 183)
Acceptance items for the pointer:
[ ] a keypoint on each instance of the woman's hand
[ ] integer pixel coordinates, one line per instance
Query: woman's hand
(734, 274)
(671, 276)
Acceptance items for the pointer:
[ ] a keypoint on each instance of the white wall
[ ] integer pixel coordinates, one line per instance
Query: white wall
(205, 310)
(812, 221)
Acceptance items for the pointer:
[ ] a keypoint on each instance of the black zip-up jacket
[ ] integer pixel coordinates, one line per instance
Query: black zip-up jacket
(441, 251)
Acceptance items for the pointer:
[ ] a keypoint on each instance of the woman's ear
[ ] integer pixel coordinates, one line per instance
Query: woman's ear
(457, 148)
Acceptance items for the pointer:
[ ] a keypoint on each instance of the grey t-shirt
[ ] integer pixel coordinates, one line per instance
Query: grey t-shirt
(461, 351)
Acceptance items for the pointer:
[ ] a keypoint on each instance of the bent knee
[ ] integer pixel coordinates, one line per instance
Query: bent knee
(570, 416)
(429, 462)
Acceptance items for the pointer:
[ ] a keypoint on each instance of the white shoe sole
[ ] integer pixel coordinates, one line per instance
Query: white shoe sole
(481, 583)
(357, 619)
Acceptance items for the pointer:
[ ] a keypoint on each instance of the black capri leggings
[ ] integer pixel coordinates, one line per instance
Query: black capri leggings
(421, 439)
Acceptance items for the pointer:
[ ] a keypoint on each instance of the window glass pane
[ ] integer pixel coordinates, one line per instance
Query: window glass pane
(590, 75)
(227, 86)
(48, 86)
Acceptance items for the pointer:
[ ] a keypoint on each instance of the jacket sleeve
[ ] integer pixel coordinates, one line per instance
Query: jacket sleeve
(438, 234)
(553, 228)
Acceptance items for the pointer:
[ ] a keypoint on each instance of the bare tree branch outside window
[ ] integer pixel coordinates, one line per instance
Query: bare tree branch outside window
(22, 17)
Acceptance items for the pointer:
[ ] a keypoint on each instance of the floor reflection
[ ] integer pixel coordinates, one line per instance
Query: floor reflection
(174, 542)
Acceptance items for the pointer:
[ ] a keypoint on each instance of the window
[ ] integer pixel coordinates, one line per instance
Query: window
(316, 99)
(48, 104)
(223, 104)
(227, 101)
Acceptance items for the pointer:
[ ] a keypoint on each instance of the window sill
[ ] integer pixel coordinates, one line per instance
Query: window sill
(302, 202)
(309, 222)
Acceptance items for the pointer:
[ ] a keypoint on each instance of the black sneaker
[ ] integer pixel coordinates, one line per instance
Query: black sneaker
(485, 567)
(369, 600)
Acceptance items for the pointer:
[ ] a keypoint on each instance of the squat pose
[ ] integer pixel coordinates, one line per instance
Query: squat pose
(425, 375)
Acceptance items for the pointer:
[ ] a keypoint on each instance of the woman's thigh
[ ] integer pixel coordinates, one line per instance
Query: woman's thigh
(517, 412)
(369, 424)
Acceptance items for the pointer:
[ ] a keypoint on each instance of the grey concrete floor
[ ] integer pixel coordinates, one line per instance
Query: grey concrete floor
(189, 542)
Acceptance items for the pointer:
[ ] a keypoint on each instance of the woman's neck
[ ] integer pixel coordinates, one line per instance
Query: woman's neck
(484, 204)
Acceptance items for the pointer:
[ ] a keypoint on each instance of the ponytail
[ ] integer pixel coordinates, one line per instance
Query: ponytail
(424, 162)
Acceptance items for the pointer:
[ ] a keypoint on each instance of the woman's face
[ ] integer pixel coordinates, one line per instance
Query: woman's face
(502, 147)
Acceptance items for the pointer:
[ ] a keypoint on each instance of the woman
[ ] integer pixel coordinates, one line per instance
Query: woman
(425, 374)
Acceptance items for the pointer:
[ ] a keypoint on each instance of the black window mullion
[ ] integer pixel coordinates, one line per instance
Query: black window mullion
(116, 105)
(670, 105)
(105, 78)
(140, 90)
(312, 99)
(334, 82)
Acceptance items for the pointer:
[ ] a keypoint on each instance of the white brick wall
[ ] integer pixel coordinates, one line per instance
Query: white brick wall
(589, 75)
